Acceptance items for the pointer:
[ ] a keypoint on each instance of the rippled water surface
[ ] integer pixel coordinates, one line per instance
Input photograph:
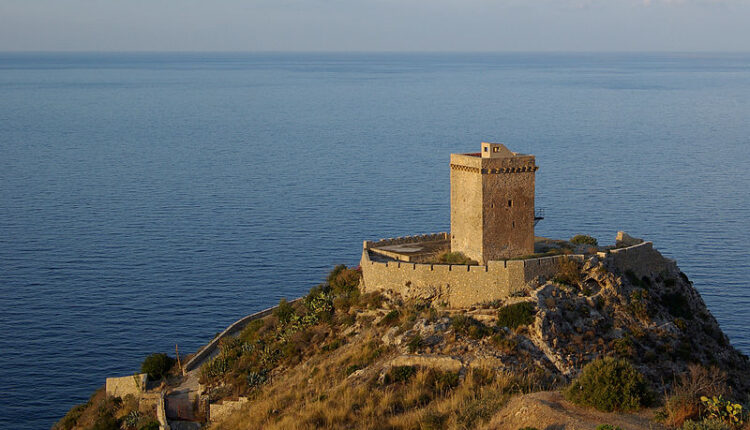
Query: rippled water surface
(152, 199)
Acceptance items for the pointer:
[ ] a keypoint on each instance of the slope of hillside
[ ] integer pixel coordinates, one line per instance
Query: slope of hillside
(342, 359)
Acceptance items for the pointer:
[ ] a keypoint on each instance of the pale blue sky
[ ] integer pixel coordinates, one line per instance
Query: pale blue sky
(375, 25)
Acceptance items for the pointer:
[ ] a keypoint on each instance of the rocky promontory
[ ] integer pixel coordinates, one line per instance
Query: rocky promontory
(340, 358)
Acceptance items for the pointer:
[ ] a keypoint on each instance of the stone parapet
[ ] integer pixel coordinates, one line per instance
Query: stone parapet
(457, 285)
(640, 259)
(236, 327)
(122, 386)
(220, 411)
(431, 237)
(460, 285)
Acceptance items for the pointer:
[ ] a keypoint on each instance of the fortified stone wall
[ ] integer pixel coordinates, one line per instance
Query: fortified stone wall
(462, 286)
(457, 285)
(220, 411)
(642, 259)
(121, 387)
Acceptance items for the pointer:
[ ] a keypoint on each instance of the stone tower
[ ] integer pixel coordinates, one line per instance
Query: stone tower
(492, 203)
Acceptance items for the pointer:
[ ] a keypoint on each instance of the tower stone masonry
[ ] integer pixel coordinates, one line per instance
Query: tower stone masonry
(492, 203)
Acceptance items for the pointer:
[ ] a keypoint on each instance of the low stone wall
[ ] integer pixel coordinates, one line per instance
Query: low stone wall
(161, 414)
(455, 284)
(122, 386)
(431, 237)
(220, 411)
(641, 259)
(234, 329)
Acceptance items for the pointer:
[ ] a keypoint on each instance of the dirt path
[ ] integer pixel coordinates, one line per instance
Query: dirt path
(547, 410)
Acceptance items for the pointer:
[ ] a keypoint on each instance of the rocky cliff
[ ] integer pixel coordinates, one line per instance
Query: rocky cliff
(342, 359)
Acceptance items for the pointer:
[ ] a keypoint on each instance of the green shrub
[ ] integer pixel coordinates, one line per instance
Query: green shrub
(718, 408)
(319, 304)
(443, 381)
(609, 384)
(516, 315)
(607, 427)
(71, 418)
(432, 421)
(105, 420)
(677, 305)
(706, 424)
(151, 424)
(284, 311)
(256, 379)
(217, 367)
(333, 345)
(400, 374)
(390, 318)
(638, 305)
(344, 281)
(157, 365)
(371, 300)
(505, 344)
(568, 273)
(131, 419)
(456, 258)
(643, 282)
(415, 343)
(623, 347)
(468, 326)
(250, 332)
(583, 239)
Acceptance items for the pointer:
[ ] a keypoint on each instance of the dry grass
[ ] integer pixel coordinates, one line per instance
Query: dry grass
(320, 395)
(569, 273)
(684, 403)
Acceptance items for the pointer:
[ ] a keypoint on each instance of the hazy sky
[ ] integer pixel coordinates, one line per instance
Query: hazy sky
(375, 25)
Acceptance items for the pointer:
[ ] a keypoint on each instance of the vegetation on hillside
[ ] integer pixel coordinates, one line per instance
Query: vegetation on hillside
(114, 413)
(323, 363)
(583, 239)
(157, 365)
(341, 358)
(609, 384)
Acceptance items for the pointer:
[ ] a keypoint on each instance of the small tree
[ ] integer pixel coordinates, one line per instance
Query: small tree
(456, 258)
(516, 315)
(583, 239)
(284, 311)
(157, 365)
(568, 273)
(609, 384)
(344, 280)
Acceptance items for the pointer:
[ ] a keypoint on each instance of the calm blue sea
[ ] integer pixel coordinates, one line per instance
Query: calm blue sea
(152, 199)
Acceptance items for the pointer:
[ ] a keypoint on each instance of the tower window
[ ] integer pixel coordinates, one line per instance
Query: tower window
(486, 149)
(510, 203)
(513, 224)
(495, 149)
